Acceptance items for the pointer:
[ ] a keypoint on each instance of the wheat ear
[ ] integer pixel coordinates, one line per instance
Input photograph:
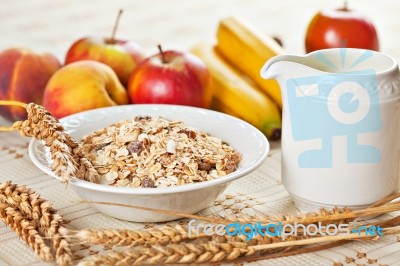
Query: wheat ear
(207, 252)
(323, 216)
(67, 159)
(124, 237)
(26, 229)
(32, 206)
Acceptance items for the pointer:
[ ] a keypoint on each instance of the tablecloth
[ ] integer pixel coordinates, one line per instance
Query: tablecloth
(52, 26)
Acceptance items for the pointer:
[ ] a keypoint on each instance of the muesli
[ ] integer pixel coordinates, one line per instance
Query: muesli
(154, 152)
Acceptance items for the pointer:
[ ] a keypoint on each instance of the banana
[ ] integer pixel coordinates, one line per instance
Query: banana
(248, 48)
(235, 96)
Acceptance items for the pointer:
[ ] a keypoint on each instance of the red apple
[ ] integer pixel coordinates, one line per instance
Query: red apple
(341, 27)
(121, 55)
(23, 77)
(171, 77)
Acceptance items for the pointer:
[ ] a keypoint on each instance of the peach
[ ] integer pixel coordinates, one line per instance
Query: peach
(81, 86)
(23, 77)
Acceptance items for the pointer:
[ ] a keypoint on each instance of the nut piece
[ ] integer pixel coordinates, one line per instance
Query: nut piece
(171, 146)
(135, 147)
(147, 182)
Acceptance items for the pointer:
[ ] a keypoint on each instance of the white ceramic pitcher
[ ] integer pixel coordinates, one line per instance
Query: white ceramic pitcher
(340, 126)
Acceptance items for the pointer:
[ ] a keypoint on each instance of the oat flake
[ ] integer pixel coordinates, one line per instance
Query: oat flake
(154, 152)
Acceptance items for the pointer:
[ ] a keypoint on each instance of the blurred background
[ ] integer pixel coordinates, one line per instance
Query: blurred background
(52, 26)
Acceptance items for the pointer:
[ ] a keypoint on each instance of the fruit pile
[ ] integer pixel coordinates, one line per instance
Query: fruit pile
(101, 72)
(235, 63)
(225, 76)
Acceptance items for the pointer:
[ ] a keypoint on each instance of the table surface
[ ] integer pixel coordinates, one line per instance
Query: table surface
(52, 26)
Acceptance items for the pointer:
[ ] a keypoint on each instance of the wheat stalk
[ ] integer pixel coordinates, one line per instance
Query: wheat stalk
(124, 237)
(286, 253)
(37, 209)
(263, 244)
(386, 200)
(158, 236)
(68, 160)
(61, 246)
(324, 216)
(26, 229)
(167, 234)
(212, 247)
(335, 215)
(317, 240)
(42, 125)
(208, 252)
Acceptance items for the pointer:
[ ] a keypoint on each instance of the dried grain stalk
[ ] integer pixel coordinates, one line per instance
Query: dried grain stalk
(168, 234)
(125, 237)
(26, 229)
(336, 215)
(40, 211)
(158, 236)
(172, 253)
(185, 249)
(68, 161)
(323, 215)
(186, 253)
(209, 252)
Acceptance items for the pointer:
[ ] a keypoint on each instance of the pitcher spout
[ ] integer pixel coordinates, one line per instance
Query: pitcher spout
(276, 66)
(282, 67)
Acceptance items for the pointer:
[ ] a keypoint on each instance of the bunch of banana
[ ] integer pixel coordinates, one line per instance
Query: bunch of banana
(236, 96)
(248, 48)
(235, 63)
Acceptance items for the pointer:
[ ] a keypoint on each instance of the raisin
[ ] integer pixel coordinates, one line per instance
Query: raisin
(147, 182)
(135, 147)
(232, 163)
(230, 167)
(206, 165)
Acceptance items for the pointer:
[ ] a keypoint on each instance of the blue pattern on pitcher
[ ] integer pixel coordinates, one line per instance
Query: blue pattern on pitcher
(325, 122)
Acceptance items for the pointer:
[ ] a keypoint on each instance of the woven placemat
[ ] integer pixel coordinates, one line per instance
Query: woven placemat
(52, 26)
(260, 191)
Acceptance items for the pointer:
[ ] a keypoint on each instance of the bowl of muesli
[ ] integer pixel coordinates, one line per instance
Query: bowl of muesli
(166, 157)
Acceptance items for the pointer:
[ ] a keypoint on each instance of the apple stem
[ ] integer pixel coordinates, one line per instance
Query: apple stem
(112, 39)
(163, 59)
(345, 5)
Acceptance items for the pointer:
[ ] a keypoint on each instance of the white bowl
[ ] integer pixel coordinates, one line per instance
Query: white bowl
(190, 198)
